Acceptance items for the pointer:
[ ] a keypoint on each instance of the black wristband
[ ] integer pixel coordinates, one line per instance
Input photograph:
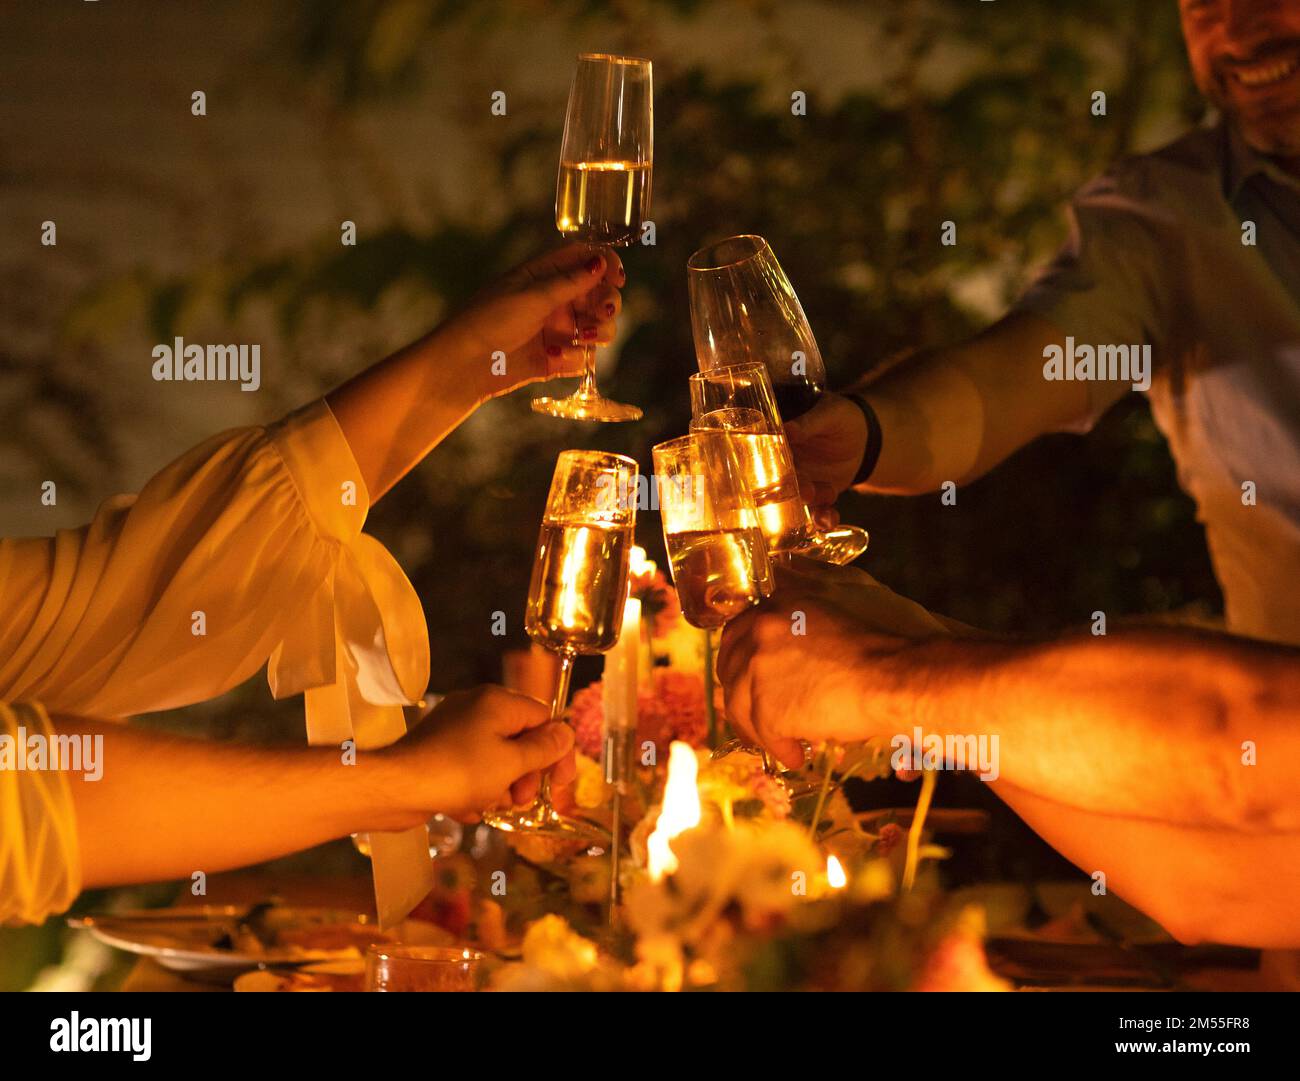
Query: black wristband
(874, 438)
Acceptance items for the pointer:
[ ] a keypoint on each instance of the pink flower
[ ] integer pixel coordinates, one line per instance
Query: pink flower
(774, 794)
(587, 715)
(891, 833)
(673, 709)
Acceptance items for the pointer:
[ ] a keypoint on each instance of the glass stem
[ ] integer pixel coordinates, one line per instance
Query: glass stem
(557, 711)
(710, 710)
(587, 389)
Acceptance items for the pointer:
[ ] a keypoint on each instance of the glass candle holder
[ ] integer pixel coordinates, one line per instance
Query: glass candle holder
(421, 968)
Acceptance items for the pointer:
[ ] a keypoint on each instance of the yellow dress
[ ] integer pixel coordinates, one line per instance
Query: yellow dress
(246, 550)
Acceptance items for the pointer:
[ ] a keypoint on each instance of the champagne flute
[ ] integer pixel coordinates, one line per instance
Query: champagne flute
(577, 593)
(716, 541)
(739, 401)
(603, 191)
(715, 546)
(744, 309)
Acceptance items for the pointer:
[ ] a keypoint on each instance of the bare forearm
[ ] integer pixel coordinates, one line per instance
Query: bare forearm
(931, 419)
(166, 807)
(1166, 725)
(396, 412)
(1201, 884)
(953, 413)
(518, 330)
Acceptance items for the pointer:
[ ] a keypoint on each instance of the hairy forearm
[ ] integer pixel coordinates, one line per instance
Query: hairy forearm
(166, 807)
(955, 412)
(395, 412)
(1158, 724)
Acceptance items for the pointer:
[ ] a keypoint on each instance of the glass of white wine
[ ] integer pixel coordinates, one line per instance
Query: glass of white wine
(603, 191)
(715, 546)
(577, 593)
(744, 310)
(735, 407)
(738, 400)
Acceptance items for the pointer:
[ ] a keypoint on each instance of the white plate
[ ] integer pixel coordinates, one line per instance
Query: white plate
(182, 939)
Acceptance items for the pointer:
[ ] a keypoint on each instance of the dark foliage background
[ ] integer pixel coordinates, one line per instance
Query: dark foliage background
(977, 113)
(852, 197)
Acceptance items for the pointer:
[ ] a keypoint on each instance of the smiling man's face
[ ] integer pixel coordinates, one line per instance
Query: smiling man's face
(1246, 58)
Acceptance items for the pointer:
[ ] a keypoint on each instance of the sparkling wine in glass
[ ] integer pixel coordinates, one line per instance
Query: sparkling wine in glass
(577, 593)
(738, 400)
(744, 310)
(602, 194)
(715, 546)
(710, 485)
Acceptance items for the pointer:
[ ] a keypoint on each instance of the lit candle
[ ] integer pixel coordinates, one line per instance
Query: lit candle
(620, 678)
(638, 565)
(618, 696)
(643, 574)
(681, 810)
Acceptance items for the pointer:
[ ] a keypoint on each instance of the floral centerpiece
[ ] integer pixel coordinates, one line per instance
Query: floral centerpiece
(734, 877)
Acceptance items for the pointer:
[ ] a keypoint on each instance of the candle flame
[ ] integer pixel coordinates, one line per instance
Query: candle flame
(835, 874)
(571, 579)
(642, 570)
(681, 810)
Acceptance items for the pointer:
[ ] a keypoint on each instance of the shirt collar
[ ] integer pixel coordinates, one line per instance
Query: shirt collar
(1241, 162)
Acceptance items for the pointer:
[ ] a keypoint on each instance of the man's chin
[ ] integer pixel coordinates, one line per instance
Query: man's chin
(1275, 137)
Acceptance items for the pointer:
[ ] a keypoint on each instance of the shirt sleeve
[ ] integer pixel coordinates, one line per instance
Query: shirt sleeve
(246, 549)
(1110, 283)
(40, 863)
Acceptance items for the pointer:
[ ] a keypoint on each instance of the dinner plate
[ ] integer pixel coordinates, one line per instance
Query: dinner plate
(205, 940)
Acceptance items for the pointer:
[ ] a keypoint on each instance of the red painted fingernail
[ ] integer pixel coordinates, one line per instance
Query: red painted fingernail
(553, 350)
(622, 275)
(588, 333)
(609, 309)
(594, 264)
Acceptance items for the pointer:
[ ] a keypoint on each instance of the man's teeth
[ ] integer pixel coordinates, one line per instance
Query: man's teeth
(1265, 74)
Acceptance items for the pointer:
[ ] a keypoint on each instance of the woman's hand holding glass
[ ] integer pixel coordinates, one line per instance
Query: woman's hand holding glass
(534, 315)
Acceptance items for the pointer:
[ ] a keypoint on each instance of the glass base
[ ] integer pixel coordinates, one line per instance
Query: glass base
(840, 546)
(580, 406)
(776, 773)
(540, 817)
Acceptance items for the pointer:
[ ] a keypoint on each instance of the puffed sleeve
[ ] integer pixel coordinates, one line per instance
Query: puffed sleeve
(245, 550)
(40, 865)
